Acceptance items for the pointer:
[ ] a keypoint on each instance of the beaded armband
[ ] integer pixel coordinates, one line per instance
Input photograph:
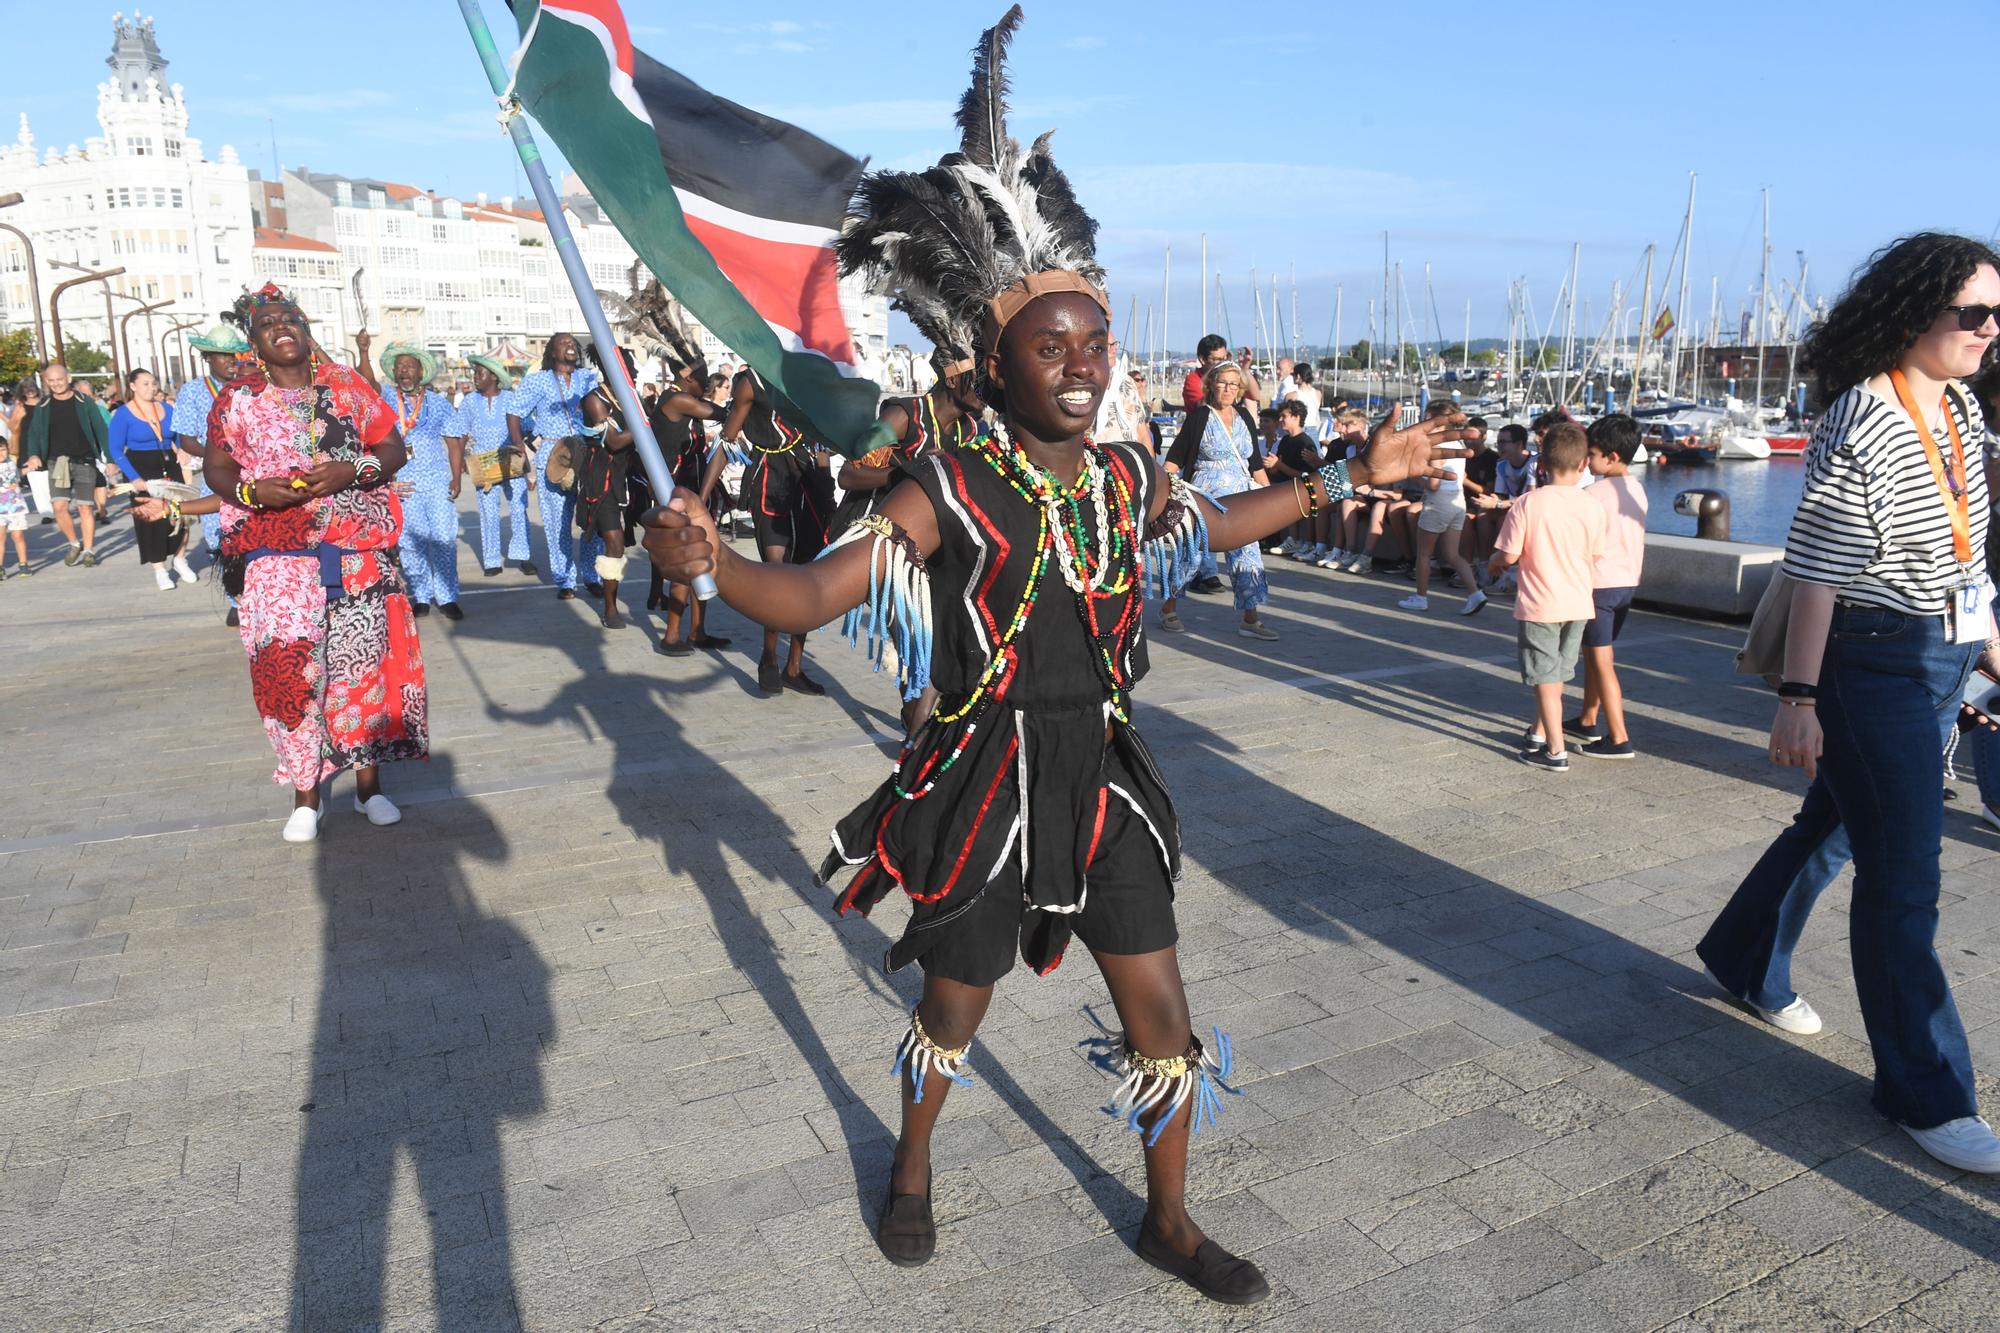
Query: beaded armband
(1333, 480)
(368, 471)
(1174, 541)
(920, 1054)
(1166, 1085)
(898, 602)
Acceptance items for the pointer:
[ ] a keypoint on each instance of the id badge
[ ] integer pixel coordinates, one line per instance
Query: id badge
(1969, 621)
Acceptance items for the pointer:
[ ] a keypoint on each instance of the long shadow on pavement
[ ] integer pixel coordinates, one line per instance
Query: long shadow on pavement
(428, 1035)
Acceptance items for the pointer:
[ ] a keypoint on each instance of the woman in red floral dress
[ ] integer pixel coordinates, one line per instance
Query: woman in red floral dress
(301, 453)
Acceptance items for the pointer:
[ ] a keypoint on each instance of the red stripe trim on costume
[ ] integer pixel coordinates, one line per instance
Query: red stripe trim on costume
(1097, 829)
(965, 850)
(957, 475)
(846, 900)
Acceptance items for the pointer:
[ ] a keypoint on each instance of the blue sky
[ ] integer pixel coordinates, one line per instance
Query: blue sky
(1485, 139)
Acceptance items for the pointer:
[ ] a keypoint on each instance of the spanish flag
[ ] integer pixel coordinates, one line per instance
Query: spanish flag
(1664, 324)
(734, 212)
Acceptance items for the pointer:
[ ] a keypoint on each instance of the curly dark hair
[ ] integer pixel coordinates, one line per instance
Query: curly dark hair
(549, 347)
(1892, 300)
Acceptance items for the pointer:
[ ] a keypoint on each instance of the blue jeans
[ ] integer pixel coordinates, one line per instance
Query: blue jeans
(1985, 746)
(1889, 692)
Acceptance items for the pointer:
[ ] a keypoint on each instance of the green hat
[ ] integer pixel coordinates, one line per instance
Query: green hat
(220, 338)
(395, 351)
(494, 364)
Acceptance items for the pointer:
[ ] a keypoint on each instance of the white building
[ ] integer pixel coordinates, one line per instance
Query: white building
(312, 273)
(138, 196)
(449, 275)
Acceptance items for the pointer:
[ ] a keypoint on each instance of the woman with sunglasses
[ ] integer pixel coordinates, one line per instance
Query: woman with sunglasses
(1891, 613)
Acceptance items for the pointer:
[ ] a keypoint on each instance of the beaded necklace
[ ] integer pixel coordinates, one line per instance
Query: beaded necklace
(407, 419)
(1093, 573)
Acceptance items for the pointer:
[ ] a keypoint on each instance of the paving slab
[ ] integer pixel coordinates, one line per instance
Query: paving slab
(579, 1044)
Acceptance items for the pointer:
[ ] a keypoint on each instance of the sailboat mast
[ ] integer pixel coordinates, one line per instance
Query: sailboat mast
(1645, 327)
(1204, 286)
(1465, 348)
(1379, 359)
(1687, 257)
(1763, 300)
(1569, 322)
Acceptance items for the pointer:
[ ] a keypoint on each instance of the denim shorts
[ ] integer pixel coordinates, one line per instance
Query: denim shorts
(1549, 650)
(84, 479)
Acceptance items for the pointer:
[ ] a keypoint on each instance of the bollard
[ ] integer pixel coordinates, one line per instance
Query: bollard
(1709, 510)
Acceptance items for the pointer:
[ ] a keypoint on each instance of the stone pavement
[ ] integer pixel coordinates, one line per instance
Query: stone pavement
(579, 1045)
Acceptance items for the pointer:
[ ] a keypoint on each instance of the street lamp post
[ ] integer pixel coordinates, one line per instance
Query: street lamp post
(55, 303)
(181, 328)
(8, 200)
(125, 326)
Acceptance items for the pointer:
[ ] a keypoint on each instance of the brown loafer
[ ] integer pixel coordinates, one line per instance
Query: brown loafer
(907, 1233)
(1210, 1270)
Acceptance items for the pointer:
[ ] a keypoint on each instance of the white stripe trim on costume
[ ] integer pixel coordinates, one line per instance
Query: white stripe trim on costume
(978, 539)
(1166, 862)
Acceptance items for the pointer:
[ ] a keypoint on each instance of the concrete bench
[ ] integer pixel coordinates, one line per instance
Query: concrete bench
(1706, 577)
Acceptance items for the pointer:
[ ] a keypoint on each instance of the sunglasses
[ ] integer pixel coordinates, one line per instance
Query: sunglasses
(1972, 318)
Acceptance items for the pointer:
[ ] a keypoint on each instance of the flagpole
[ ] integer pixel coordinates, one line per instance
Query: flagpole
(650, 456)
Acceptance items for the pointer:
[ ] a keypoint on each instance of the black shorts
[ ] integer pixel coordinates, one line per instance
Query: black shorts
(1612, 606)
(1128, 908)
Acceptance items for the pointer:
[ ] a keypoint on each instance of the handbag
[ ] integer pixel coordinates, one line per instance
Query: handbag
(561, 470)
(1763, 650)
(486, 470)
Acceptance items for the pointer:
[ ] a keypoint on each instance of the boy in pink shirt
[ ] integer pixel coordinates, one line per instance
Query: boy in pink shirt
(1554, 534)
(1613, 443)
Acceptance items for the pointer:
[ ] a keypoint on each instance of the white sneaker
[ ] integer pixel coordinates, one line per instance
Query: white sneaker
(1307, 553)
(303, 826)
(183, 570)
(1361, 564)
(1990, 815)
(161, 579)
(381, 811)
(1416, 601)
(1798, 1017)
(1473, 603)
(1333, 560)
(1289, 548)
(1967, 1143)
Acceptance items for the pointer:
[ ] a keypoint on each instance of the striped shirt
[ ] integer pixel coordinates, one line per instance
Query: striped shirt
(1872, 522)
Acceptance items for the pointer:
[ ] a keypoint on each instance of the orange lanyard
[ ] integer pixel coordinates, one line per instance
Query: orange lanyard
(1955, 488)
(151, 415)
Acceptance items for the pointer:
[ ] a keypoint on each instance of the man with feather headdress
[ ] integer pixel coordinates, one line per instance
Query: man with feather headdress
(1026, 809)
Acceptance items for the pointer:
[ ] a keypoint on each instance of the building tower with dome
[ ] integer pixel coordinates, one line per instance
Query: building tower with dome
(139, 195)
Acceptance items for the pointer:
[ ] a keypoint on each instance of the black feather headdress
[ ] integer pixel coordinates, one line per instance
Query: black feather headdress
(945, 242)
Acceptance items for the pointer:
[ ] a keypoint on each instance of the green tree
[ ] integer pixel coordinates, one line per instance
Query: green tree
(1454, 354)
(1486, 356)
(17, 356)
(83, 359)
(1362, 354)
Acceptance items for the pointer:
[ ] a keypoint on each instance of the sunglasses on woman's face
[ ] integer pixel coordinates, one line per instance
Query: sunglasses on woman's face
(1972, 318)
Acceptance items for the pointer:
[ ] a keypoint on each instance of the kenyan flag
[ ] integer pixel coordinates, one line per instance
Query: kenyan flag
(734, 212)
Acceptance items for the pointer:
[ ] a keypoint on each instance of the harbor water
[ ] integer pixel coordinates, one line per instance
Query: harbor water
(1762, 496)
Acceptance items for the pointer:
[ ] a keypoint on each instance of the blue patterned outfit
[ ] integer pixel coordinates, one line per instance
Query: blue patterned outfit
(1223, 465)
(552, 412)
(191, 408)
(482, 423)
(430, 517)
